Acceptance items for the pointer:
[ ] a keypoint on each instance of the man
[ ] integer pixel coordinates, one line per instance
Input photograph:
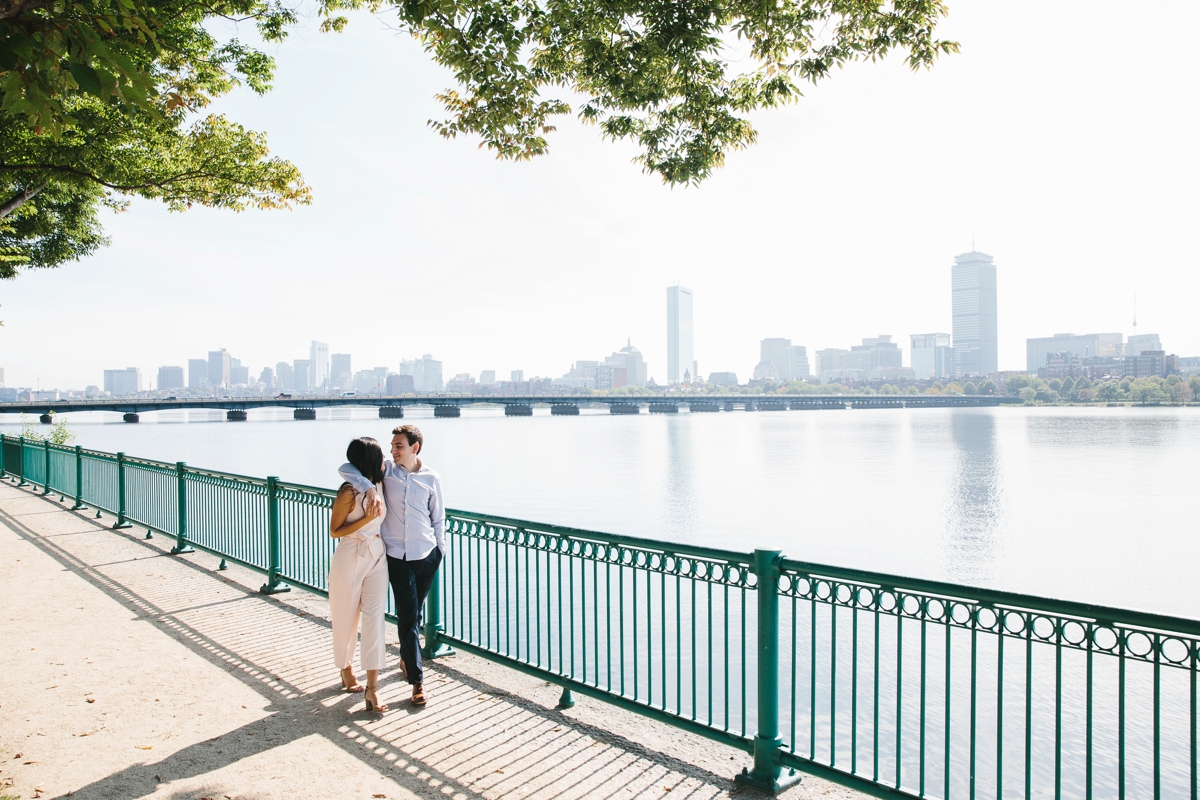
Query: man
(414, 537)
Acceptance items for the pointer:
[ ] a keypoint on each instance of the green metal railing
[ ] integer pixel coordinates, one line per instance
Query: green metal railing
(894, 686)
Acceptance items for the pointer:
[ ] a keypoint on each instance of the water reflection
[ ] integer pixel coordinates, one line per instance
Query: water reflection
(976, 499)
(680, 511)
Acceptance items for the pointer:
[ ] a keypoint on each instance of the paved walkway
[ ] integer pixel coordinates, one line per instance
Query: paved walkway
(126, 672)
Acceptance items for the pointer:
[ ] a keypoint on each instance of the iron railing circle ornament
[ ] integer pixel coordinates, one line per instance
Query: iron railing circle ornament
(885, 600)
(935, 609)
(1105, 638)
(1074, 632)
(960, 613)
(1174, 650)
(1138, 643)
(986, 618)
(1043, 627)
(1014, 623)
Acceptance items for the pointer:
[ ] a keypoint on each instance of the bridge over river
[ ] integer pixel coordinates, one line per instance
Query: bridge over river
(445, 405)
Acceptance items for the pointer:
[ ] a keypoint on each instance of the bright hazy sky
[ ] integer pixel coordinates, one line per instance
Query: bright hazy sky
(1063, 139)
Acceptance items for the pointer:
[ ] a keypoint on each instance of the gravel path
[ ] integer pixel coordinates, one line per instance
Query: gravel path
(127, 672)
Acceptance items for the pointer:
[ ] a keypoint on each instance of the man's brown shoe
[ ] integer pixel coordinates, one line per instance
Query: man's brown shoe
(418, 695)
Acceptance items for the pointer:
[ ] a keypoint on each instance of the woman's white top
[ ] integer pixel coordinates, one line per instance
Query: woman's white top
(369, 533)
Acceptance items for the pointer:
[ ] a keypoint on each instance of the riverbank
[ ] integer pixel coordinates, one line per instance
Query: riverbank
(133, 673)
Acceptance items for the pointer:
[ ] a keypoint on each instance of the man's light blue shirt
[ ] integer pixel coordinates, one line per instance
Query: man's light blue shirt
(416, 516)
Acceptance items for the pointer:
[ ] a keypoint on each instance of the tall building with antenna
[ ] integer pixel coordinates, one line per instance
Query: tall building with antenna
(973, 301)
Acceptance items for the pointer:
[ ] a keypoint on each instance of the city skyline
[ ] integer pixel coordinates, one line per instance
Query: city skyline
(931, 356)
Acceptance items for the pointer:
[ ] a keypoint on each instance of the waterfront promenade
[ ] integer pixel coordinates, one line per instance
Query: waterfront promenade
(133, 673)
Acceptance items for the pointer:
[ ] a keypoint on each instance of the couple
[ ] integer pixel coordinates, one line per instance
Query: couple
(390, 523)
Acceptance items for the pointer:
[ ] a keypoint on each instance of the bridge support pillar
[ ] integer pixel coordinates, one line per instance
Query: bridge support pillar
(729, 406)
(304, 413)
(624, 408)
(767, 774)
(391, 412)
(564, 410)
(131, 418)
(664, 408)
(447, 411)
(236, 415)
(513, 410)
(46, 419)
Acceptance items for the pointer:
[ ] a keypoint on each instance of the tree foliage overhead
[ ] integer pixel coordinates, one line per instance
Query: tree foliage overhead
(657, 72)
(102, 100)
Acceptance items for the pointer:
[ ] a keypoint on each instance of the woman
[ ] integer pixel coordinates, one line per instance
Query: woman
(358, 576)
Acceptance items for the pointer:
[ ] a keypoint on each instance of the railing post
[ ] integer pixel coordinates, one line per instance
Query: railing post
(3, 442)
(768, 745)
(121, 522)
(181, 545)
(78, 478)
(21, 461)
(433, 627)
(46, 477)
(273, 584)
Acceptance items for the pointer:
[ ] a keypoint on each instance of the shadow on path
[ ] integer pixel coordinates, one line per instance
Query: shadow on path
(474, 740)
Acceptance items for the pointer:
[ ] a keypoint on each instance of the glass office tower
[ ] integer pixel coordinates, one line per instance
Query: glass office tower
(681, 363)
(973, 288)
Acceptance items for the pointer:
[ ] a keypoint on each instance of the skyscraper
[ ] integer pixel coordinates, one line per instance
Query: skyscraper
(973, 298)
(218, 368)
(340, 374)
(630, 358)
(318, 359)
(302, 375)
(121, 382)
(170, 377)
(781, 360)
(932, 356)
(1141, 342)
(681, 363)
(197, 373)
(284, 377)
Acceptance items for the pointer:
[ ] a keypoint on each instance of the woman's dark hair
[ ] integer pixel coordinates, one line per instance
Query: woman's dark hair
(367, 457)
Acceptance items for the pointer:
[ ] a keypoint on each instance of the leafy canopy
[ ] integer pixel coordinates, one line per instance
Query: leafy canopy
(657, 72)
(102, 100)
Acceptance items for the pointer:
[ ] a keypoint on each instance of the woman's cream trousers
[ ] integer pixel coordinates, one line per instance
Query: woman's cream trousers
(358, 588)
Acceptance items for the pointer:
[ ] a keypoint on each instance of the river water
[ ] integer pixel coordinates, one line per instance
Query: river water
(1083, 504)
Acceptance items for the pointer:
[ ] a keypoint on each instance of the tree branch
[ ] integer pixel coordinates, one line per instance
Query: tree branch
(162, 183)
(10, 9)
(21, 199)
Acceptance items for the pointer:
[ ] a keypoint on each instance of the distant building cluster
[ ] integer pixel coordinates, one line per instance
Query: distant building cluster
(970, 353)
(625, 367)
(1101, 355)
(320, 373)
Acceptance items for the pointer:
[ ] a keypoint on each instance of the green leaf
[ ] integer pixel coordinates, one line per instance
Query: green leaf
(87, 78)
(8, 56)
